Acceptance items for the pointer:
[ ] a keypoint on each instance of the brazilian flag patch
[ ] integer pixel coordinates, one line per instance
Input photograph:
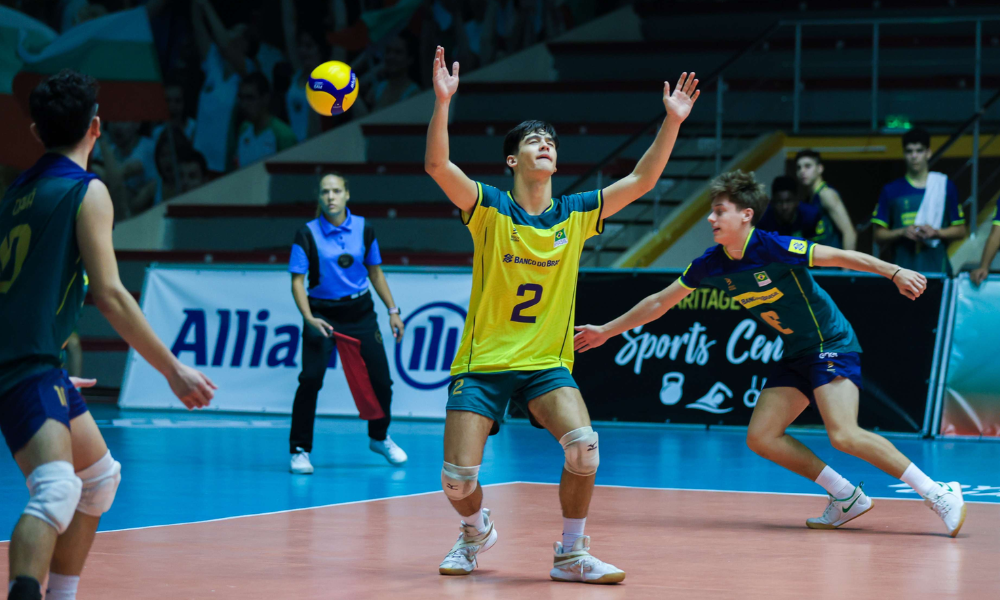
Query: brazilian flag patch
(560, 239)
(762, 278)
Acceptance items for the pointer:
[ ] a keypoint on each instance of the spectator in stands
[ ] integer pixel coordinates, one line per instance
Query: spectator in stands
(169, 146)
(260, 134)
(305, 51)
(192, 169)
(786, 214)
(835, 228)
(177, 106)
(470, 27)
(917, 215)
(126, 162)
(393, 81)
(529, 22)
(989, 250)
(223, 53)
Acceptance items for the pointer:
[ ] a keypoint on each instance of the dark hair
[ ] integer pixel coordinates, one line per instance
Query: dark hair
(514, 137)
(190, 155)
(742, 190)
(808, 153)
(784, 183)
(62, 107)
(259, 81)
(917, 135)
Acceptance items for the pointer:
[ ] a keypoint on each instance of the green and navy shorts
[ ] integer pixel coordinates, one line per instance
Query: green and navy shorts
(487, 394)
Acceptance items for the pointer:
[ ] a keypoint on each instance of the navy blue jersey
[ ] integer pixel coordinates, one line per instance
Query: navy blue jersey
(773, 282)
(41, 274)
(826, 232)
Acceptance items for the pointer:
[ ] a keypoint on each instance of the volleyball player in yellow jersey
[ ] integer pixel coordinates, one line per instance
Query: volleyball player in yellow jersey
(518, 338)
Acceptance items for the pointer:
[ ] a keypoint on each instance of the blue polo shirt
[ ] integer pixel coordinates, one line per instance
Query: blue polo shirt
(318, 250)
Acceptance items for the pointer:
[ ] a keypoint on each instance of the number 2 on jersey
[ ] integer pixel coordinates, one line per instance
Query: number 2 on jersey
(536, 289)
(16, 243)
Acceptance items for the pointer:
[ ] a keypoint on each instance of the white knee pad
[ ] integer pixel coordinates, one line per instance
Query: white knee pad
(100, 484)
(55, 492)
(582, 456)
(459, 482)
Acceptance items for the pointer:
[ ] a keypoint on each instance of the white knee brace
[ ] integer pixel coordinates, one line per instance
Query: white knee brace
(459, 482)
(100, 483)
(582, 456)
(55, 492)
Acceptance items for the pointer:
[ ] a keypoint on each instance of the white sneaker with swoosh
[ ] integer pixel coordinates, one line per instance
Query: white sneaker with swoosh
(948, 503)
(842, 510)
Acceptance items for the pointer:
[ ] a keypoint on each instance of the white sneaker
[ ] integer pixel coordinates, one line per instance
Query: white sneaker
(842, 510)
(579, 565)
(392, 453)
(948, 503)
(462, 558)
(300, 463)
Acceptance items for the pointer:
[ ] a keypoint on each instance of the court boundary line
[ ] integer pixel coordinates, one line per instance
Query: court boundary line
(673, 489)
(626, 487)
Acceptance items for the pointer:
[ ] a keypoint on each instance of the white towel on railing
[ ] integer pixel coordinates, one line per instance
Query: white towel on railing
(931, 210)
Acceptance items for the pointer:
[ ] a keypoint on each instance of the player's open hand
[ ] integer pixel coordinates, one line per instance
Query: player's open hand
(910, 283)
(192, 387)
(445, 84)
(589, 336)
(80, 383)
(680, 102)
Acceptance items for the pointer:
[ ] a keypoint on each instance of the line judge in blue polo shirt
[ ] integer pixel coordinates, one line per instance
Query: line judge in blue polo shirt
(339, 254)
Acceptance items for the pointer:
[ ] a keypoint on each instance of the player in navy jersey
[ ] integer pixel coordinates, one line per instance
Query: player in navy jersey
(768, 275)
(55, 221)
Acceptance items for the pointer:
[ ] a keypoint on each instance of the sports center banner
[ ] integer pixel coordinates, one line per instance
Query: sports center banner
(707, 359)
(972, 386)
(243, 330)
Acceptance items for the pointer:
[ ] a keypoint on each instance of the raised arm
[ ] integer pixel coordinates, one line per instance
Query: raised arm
(93, 230)
(910, 283)
(834, 206)
(288, 23)
(456, 185)
(221, 36)
(201, 36)
(648, 170)
(649, 309)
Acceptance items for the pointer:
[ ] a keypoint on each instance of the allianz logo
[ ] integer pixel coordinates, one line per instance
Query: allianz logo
(233, 345)
(433, 334)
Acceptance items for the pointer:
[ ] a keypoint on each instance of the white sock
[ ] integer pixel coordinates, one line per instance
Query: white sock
(477, 520)
(62, 587)
(916, 479)
(572, 530)
(834, 484)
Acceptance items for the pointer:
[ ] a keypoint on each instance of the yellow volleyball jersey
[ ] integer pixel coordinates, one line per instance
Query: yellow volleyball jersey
(524, 281)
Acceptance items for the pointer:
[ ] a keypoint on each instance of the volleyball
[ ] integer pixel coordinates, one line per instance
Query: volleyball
(332, 88)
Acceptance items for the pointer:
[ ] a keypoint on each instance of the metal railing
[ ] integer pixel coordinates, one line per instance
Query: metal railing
(717, 78)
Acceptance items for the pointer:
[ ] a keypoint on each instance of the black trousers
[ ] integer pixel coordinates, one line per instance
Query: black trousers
(355, 318)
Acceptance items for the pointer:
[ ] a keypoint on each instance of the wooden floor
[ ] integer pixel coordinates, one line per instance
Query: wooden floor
(683, 544)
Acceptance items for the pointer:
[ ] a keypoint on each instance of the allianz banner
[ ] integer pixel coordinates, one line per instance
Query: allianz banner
(972, 392)
(242, 329)
(707, 359)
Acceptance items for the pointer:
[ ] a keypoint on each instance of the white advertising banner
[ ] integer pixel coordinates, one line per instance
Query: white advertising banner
(242, 329)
